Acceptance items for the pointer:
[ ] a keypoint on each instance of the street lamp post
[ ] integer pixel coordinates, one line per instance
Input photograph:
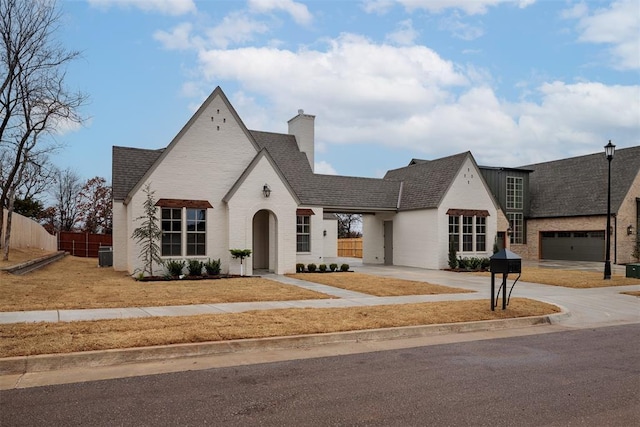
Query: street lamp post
(609, 149)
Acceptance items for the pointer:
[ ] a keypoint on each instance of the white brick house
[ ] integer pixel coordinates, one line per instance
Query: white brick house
(209, 186)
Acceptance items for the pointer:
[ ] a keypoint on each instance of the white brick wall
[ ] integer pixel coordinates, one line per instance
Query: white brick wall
(468, 191)
(330, 241)
(373, 237)
(203, 165)
(246, 202)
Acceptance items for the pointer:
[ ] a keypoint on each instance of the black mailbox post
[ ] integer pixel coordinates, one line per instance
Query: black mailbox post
(504, 262)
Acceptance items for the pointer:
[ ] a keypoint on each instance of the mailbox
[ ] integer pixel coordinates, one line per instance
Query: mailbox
(503, 262)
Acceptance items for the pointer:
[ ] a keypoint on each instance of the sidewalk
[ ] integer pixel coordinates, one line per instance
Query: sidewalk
(588, 307)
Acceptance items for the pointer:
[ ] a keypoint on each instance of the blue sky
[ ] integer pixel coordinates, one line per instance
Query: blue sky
(513, 81)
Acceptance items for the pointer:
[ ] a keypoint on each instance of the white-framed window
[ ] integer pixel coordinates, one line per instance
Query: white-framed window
(468, 233)
(515, 192)
(171, 225)
(184, 231)
(303, 233)
(454, 232)
(196, 232)
(516, 223)
(481, 234)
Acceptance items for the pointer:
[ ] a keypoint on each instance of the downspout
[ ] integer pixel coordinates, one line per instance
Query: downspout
(399, 195)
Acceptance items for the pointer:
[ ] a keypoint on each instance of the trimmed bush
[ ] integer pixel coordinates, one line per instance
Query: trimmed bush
(212, 267)
(322, 268)
(333, 267)
(344, 267)
(194, 267)
(174, 267)
(299, 268)
(311, 268)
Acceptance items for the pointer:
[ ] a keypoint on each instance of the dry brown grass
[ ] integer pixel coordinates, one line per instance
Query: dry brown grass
(378, 286)
(20, 255)
(633, 293)
(570, 278)
(45, 338)
(73, 283)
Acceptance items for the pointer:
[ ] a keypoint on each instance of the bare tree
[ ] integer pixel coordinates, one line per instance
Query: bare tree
(34, 102)
(95, 206)
(349, 225)
(65, 192)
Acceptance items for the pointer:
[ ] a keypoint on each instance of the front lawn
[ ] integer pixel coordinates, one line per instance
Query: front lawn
(75, 283)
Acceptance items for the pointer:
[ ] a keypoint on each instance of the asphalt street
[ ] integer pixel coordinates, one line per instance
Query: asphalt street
(586, 377)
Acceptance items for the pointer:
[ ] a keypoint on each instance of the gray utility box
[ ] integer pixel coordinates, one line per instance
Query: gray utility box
(633, 270)
(105, 256)
(505, 261)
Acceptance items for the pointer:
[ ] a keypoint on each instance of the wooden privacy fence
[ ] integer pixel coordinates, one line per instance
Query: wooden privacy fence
(27, 233)
(351, 248)
(83, 244)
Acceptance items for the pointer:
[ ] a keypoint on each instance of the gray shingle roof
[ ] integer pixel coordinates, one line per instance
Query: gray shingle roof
(326, 190)
(578, 186)
(426, 182)
(128, 167)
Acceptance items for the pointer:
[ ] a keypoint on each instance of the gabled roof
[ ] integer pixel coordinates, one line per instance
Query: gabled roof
(329, 191)
(427, 182)
(128, 167)
(578, 186)
(263, 153)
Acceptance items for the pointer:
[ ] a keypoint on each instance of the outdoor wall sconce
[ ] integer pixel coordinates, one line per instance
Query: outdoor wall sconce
(509, 231)
(324, 233)
(629, 230)
(266, 190)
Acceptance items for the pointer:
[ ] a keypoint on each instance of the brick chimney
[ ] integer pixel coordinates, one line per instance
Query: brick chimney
(302, 127)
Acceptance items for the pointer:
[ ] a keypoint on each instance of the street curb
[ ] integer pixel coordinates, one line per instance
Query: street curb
(53, 362)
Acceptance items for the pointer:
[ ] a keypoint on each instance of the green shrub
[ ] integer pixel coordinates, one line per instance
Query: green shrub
(473, 263)
(174, 267)
(344, 267)
(322, 268)
(212, 267)
(311, 268)
(194, 267)
(299, 268)
(333, 267)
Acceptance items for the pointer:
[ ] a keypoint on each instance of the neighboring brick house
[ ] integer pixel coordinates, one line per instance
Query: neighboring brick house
(220, 186)
(558, 209)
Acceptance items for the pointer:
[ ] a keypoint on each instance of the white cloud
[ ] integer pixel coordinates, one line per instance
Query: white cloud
(379, 7)
(470, 7)
(408, 97)
(460, 29)
(179, 38)
(297, 11)
(167, 7)
(324, 168)
(235, 28)
(405, 35)
(351, 72)
(617, 26)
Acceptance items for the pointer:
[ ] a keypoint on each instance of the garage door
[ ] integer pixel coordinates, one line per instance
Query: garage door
(573, 245)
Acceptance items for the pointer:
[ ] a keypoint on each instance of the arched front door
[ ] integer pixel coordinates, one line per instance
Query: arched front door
(264, 252)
